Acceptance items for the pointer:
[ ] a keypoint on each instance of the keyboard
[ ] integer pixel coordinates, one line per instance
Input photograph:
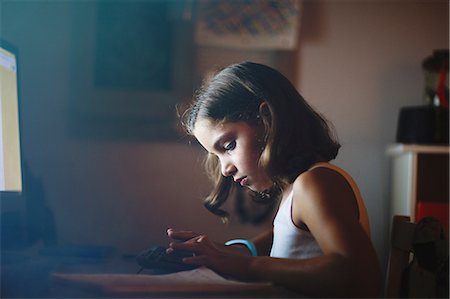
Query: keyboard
(156, 258)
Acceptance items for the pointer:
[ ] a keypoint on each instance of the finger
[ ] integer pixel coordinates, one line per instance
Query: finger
(181, 235)
(196, 244)
(202, 239)
(187, 246)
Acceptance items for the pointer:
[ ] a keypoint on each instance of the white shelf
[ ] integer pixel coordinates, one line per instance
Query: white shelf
(405, 174)
(401, 148)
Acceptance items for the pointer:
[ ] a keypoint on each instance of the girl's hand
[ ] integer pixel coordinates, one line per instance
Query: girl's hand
(216, 256)
(181, 235)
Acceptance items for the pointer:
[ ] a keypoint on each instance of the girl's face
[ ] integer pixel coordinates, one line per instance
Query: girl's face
(238, 148)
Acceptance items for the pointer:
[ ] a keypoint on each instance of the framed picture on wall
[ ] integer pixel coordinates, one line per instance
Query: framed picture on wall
(131, 63)
(255, 25)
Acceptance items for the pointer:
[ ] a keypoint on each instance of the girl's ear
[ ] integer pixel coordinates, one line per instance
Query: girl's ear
(265, 118)
(264, 112)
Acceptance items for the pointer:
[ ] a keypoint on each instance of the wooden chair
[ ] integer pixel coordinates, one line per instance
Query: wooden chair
(402, 235)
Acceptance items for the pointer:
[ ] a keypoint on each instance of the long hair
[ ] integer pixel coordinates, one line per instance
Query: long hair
(295, 135)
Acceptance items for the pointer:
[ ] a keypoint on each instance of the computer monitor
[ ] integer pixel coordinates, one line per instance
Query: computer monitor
(10, 152)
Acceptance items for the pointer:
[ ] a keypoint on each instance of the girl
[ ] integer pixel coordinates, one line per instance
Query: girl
(262, 135)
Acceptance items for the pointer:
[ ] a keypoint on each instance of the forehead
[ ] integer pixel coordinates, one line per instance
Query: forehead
(207, 131)
(204, 124)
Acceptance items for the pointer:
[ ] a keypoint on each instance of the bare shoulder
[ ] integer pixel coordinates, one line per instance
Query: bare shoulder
(321, 179)
(322, 191)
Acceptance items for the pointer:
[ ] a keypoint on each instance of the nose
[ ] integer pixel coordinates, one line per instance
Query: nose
(227, 168)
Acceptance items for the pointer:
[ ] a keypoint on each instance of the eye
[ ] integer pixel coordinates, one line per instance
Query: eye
(228, 146)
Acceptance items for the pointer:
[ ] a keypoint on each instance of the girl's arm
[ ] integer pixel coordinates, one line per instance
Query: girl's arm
(189, 237)
(263, 242)
(324, 201)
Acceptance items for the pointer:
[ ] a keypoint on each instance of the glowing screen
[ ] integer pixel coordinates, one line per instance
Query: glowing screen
(10, 169)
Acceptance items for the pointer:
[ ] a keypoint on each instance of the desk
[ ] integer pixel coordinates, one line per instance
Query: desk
(197, 283)
(30, 274)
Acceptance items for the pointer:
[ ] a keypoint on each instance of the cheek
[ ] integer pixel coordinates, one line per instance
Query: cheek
(251, 158)
(256, 151)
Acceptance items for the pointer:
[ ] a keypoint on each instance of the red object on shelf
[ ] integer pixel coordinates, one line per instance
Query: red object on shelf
(438, 210)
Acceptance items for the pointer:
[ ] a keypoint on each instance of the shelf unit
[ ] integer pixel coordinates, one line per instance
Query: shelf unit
(420, 181)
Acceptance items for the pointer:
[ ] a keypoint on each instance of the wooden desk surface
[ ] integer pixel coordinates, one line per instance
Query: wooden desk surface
(198, 283)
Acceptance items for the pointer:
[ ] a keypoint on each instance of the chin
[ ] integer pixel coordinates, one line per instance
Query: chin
(252, 189)
(262, 187)
(259, 190)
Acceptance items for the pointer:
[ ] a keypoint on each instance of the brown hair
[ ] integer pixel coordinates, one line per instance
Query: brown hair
(295, 135)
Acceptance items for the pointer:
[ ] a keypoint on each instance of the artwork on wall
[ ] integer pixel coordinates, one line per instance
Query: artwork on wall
(263, 31)
(133, 46)
(243, 24)
(130, 66)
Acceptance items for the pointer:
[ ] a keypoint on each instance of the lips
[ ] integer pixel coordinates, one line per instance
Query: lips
(242, 181)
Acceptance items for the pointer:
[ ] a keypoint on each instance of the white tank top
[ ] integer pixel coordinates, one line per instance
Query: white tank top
(289, 241)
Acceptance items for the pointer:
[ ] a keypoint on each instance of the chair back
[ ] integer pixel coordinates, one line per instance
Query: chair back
(402, 236)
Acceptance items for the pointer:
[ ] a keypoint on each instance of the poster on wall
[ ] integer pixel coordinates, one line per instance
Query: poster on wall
(243, 24)
(130, 65)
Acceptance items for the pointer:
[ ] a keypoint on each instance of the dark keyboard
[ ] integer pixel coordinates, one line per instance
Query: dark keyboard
(156, 258)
